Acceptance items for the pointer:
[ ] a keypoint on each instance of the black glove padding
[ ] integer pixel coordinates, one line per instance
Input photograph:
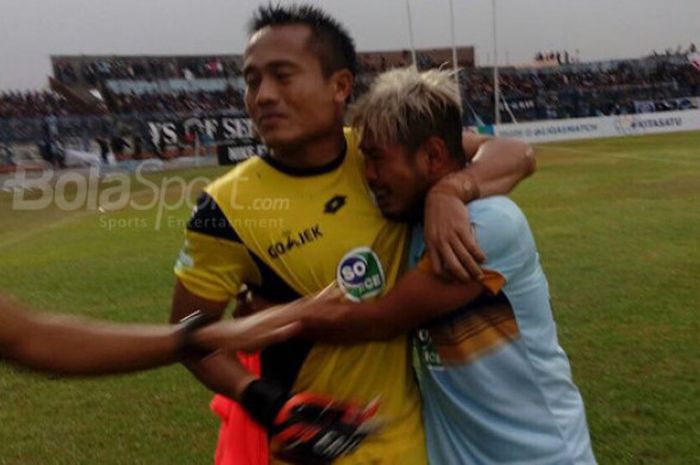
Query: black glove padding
(308, 428)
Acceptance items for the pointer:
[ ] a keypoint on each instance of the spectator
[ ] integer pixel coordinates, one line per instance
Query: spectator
(104, 148)
(118, 144)
(52, 151)
(138, 147)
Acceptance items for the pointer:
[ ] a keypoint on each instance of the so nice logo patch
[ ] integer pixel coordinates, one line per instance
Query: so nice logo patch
(360, 274)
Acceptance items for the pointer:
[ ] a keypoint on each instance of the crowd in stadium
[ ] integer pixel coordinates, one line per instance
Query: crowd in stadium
(560, 91)
(558, 57)
(32, 105)
(679, 51)
(101, 70)
(180, 102)
(45, 103)
(379, 62)
(573, 92)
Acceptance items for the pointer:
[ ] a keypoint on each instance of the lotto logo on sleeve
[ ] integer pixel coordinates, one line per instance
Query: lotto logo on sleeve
(360, 274)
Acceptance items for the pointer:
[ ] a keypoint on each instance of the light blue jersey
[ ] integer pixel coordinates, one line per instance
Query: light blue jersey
(497, 387)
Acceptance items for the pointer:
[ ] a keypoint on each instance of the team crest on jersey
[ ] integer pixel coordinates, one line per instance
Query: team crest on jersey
(360, 274)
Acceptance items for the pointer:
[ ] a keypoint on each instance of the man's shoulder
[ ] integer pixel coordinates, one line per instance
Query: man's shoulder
(243, 171)
(497, 208)
(502, 231)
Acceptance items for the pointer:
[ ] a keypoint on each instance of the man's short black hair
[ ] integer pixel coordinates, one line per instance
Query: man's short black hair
(329, 39)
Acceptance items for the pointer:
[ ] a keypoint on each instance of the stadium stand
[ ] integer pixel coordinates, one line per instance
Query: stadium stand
(33, 105)
(555, 86)
(91, 70)
(125, 96)
(585, 89)
(179, 102)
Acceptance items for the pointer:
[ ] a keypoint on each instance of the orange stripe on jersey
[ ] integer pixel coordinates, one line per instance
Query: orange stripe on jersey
(475, 330)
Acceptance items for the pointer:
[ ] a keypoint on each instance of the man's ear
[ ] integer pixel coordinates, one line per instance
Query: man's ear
(437, 156)
(342, 81)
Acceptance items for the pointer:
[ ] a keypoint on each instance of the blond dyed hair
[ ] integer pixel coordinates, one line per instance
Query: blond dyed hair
(405, 106)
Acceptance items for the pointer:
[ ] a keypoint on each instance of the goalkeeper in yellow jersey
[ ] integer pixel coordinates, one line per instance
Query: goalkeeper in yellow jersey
(299, 67)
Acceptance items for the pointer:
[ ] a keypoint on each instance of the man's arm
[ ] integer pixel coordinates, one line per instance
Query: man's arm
(71, 346)
(497, 166)
(418, 297)
(516, 161)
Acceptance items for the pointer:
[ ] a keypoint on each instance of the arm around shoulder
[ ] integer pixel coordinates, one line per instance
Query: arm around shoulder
(497, 165)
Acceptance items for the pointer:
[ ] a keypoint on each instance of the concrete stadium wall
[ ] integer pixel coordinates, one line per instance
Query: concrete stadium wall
(604, 126)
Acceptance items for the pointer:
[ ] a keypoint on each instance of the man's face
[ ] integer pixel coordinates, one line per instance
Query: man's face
(398, 180)
(287, 96)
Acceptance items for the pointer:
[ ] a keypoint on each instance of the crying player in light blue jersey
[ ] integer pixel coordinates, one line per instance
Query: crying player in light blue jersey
(496, 385)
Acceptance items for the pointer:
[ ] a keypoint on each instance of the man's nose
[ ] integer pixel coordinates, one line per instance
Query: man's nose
(267, 92)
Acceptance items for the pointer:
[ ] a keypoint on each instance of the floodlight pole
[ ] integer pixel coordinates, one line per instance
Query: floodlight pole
(410, 34)
(496, 87)
(455, 67)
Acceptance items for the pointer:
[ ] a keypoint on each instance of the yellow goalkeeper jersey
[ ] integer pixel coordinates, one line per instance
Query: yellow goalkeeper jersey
(287, 233)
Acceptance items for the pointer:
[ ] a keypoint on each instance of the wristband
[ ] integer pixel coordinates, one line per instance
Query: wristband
(263, 401)
(187, 348)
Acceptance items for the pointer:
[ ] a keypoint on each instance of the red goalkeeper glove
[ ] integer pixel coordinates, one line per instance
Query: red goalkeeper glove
(307, 428)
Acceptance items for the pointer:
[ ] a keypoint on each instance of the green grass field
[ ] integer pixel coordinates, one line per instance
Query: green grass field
(618, 228)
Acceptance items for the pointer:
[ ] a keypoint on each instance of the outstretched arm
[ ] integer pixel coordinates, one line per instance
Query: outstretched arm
(497, 166)
(71, 346)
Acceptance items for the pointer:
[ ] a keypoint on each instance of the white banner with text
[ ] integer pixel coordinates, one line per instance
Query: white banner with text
(604, 126)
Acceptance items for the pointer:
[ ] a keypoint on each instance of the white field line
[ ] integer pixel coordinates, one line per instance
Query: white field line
(623, 156)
